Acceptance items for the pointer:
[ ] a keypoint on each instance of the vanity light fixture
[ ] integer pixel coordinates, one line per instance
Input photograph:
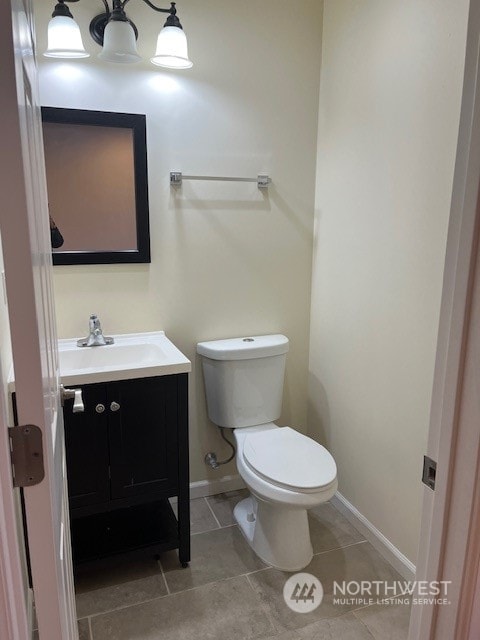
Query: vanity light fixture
(117, 34)
(64, 37)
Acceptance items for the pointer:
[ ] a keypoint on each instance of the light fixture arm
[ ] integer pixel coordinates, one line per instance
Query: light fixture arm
(107, 8)
(172, 10)
(172, 20)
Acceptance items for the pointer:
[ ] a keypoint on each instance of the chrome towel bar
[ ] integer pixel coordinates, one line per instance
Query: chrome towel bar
(177, 177)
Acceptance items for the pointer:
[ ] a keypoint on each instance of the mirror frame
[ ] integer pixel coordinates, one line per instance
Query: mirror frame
(137, 123)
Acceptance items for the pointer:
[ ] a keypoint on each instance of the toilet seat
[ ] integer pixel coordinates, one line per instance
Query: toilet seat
(288, 459)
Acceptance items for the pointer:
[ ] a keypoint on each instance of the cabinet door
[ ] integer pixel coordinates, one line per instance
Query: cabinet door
(143, 426)
(86, 440)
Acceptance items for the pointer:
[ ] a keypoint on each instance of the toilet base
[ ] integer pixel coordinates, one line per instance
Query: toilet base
(279, 534)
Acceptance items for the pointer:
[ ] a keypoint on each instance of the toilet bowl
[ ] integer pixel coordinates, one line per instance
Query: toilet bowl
(286, 472)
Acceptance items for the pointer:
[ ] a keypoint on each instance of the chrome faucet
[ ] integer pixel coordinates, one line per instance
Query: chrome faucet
(95, 336)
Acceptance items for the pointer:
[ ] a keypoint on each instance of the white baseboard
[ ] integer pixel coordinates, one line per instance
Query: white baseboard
(205, 488)
(395, 557)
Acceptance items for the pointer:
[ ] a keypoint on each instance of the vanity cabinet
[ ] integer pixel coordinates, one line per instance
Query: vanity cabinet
(127, 453)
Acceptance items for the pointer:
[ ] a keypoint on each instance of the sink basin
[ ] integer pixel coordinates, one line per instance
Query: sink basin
(133, 355)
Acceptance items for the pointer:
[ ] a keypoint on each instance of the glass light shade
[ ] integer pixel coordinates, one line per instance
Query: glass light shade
(64, 39)
(172, 51)
(119, 44)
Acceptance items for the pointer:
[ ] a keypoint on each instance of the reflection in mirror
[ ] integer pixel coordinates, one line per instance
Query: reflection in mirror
(97, 186)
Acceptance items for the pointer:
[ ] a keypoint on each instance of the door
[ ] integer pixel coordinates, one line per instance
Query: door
(450, 528)
(86, 439)
(143, 428)
(24, 229)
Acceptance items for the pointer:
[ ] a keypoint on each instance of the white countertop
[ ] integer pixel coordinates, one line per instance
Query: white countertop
(132, 355)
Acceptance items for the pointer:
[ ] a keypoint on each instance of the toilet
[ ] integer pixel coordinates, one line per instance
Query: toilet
(286, 472)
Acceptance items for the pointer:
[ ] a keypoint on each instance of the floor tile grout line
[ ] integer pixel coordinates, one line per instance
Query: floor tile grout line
(357, 617)
(213, 512)
(346, 546)
(353, 544)
(207, 584)
(351, 612)
(199, 533)
(247, 576)
(364, 623)
(128, 606)
(131, 581)
(90, 630)
(163, 576)
(266, 609)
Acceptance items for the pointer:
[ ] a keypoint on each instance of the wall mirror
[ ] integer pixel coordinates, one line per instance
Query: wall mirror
(96, 164)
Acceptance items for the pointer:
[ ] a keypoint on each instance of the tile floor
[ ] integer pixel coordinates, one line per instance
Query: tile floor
(228, 593)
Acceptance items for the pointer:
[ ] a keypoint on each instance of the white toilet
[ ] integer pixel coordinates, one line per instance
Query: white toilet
(286, 472)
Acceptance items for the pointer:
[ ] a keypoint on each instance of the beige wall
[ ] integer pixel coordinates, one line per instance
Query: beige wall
(227, 259)
(389, 111)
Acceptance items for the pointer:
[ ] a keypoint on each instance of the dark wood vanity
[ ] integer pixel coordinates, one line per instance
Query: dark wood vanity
(127, 454)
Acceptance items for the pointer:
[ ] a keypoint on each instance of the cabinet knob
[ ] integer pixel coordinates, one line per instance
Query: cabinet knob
(100, 408)
(114, 406)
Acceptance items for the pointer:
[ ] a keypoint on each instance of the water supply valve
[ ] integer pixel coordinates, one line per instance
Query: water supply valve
(211, 460)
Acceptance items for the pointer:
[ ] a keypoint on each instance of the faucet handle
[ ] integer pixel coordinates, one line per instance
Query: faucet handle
(94, 322)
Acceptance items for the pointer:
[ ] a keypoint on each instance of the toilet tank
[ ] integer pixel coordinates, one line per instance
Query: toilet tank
(244, 379)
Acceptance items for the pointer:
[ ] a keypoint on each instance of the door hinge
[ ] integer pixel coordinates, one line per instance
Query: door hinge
(26, 452)
(429, 472)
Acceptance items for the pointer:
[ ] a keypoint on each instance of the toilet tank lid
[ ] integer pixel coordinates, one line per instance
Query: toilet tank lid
(244, 348)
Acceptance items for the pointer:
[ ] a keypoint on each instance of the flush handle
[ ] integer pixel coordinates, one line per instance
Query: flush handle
(76, 394)
(114, 406)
